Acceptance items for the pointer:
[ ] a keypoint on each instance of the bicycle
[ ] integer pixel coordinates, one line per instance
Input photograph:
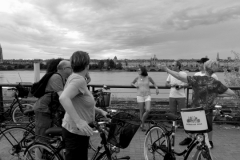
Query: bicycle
(111, 143)
(99, 95)
(15, 112)
(159, 142)
(14, 140)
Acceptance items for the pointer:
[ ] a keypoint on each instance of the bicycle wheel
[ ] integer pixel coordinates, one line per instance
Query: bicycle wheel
(41, 151)
(13, 141)
(203, 154)
(18, 116)
(156, 143)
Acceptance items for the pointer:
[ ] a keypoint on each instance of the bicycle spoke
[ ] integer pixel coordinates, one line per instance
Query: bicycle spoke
(11, 143)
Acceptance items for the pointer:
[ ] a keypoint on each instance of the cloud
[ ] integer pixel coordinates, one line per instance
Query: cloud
(190, 18)
(105, 28)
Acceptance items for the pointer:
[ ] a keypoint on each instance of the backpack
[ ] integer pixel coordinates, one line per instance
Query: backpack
(38, 88)
(56, 109)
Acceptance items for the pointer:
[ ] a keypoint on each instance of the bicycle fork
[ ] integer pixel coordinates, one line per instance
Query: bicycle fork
(201, 148)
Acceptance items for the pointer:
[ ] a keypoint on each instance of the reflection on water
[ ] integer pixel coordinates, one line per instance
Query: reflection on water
(108, 78)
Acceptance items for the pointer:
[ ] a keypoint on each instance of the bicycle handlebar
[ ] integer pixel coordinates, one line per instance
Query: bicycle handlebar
(12, 89)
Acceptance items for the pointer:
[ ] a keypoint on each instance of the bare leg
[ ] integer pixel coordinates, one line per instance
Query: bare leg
(141, 110)
(147, 111)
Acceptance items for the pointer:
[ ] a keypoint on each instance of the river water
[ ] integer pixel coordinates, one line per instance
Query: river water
(107, 78)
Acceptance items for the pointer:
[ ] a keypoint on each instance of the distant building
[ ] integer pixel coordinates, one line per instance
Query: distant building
(1, 55)
(218, 57)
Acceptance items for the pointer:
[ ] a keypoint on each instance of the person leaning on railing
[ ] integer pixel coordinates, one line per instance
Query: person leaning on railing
(205, 89)
(142, 82)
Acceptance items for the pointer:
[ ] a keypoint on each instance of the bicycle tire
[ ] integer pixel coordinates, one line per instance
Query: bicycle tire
(18, 116)
(156, 143)
(203, 154)
(10, 139)
(41, 151)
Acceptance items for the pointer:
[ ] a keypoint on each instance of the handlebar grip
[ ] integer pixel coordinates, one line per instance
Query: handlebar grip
(11, 89)
(109, 116)
(91, 124)
(221, 112)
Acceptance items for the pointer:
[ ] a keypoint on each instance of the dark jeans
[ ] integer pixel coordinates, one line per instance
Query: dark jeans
(176, 104)
(209, 116)
(43, 121)
(76, 145)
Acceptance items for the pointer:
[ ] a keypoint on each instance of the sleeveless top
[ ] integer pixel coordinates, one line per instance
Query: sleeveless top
(143, 86)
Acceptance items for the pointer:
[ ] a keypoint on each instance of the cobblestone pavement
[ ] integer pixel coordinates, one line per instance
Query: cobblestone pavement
(226, 139)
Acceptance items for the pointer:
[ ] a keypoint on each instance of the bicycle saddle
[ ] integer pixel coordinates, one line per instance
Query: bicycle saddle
(54, 131)
(29, 112)
(172, 117)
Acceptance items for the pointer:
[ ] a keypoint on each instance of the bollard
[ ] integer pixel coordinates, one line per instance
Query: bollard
(36, 71)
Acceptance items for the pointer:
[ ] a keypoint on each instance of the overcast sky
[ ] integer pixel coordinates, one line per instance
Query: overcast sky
(131, 29)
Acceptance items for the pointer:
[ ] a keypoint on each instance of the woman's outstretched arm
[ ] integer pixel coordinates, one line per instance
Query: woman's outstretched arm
(180, 76)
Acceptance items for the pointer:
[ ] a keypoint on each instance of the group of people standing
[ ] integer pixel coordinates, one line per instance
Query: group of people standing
(205, 85)
(71, 81)
(77, 101)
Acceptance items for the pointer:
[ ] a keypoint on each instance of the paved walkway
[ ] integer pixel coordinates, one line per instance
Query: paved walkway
(226, 144)
(226, 141)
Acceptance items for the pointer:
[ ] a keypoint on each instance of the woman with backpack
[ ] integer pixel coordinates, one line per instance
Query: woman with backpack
(53, 81)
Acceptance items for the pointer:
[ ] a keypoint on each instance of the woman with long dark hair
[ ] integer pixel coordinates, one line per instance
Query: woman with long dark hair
(142, 83)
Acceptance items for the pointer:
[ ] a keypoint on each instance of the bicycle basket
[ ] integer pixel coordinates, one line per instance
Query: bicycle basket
(22, 91)
(122, 129)
(105, 101)
(194, 120)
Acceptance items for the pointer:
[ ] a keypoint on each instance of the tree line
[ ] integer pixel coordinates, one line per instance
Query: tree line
(108, 64)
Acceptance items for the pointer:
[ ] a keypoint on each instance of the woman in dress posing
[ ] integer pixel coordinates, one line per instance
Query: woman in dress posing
(143, 93)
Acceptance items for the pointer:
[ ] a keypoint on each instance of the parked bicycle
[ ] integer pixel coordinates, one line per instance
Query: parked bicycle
(159, 142)
(122, 128)
(17, 108)
(14, 138)
(102, 99)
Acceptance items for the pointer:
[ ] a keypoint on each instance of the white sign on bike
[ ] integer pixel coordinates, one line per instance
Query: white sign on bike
(194, 120)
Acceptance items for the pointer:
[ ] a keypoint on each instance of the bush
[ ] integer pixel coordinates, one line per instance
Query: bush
(232, 74)
(232, 79)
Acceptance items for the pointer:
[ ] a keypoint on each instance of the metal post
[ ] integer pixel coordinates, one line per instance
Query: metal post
(36, 70)
(1, 101)
(187, 97)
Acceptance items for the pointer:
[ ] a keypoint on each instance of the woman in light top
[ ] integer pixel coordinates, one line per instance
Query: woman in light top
(143, 93)
(79, 105)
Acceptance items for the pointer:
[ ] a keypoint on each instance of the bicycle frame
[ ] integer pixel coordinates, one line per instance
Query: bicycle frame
(103, 144)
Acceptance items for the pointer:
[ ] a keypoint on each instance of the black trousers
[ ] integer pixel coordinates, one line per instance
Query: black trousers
(76, 146)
